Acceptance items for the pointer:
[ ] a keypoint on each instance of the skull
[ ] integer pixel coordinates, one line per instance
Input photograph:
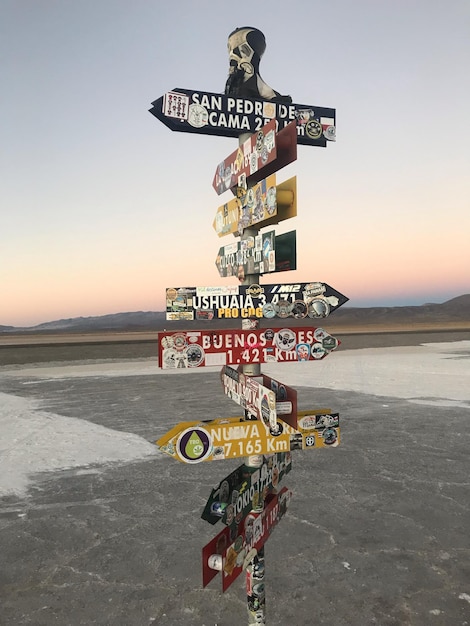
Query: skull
(246, 46)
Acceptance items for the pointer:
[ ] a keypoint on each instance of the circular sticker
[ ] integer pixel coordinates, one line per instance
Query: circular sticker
(268, 310)
(195, 355)
(330, 133)
(179, 341)
(329, 436)
(194, 445)
(318, 307)
(197, 115)
(285, 339)
(299, 309)
(317, 351)
(313, 129)
(283, 308)
(319, 334)
(269, 334)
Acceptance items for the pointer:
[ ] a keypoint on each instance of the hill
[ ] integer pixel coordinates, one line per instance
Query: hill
(455, 312)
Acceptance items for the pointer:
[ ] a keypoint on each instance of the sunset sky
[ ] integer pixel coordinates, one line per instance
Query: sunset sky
(102, 206)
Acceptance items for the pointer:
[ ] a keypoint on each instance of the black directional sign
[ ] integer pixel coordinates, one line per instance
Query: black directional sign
(217, 114)
(282, 300)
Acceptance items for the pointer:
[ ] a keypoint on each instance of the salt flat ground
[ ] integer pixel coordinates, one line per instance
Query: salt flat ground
(98, 527)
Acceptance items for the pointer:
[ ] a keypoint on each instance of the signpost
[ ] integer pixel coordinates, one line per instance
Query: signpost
(313, 300)
(268, 127)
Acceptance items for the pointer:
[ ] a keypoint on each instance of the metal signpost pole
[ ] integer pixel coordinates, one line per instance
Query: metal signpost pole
(254, 577)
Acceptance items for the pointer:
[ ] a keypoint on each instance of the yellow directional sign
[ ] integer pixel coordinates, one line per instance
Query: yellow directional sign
(235, 437)
(264, 204)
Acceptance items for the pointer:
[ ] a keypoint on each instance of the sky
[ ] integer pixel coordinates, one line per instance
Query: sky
(103, 207)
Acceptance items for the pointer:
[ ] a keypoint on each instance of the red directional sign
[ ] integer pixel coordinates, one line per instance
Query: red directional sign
(251, 535)
(286, 400)
(257, 400)
(262, 154)
(200, 348)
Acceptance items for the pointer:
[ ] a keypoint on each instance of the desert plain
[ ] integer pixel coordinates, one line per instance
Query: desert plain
(97, 526)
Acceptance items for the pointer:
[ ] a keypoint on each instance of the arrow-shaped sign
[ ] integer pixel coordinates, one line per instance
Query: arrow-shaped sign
(236, 437)
(262, 205)
(261, 254)
(258, 401)
(200, 348)
(282, 300)
(245, 488)
(252, 533)
(286, 400)
(262, 154)
(216, 114)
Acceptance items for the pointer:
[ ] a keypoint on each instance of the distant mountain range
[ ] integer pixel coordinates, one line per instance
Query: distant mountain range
(453, 311)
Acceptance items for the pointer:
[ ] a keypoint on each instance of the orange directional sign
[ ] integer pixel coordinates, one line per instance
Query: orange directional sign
(260, 155)
(264, 204)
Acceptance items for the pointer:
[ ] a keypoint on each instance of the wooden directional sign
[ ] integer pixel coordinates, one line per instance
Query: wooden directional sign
(202, 348)
(245, 488)
(281, 300)
(251, 534)
(262, 205)
(262, 154)
(217, 114)
(235, 437)
(261, 254)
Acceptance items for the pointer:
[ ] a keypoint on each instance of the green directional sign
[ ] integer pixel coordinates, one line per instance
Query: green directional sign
(245, 489)
(258, 255)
